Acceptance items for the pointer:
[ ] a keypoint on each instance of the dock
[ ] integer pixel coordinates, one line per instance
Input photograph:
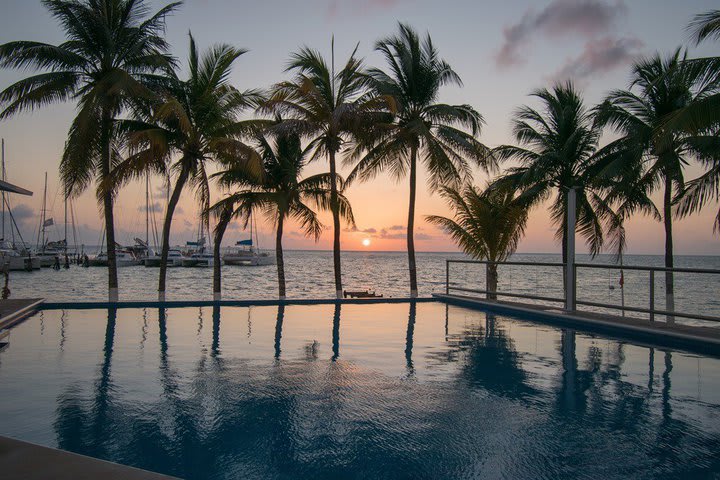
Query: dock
(14, 310)
(27, 461)
(705, 340)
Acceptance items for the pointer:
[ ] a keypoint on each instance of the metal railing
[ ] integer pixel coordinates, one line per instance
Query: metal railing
(651, 310)
(570, 300)
(449, 286)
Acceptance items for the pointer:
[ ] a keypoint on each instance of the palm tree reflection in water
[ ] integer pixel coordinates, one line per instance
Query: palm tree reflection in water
(211, 419)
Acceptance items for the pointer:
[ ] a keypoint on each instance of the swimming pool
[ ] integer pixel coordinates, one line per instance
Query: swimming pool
(399, 390)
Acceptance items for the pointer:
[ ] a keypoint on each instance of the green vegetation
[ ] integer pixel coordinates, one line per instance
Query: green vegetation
(112, 51)
(419, 128)
(488, 225)
(136, 117)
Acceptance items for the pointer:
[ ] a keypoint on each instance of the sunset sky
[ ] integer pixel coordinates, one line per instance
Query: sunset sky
(501, 50)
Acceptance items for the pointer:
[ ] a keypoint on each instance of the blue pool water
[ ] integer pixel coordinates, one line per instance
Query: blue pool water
(358, 391)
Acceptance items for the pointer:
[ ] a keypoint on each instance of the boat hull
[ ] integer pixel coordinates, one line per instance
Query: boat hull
(249, 261)
(20, 263)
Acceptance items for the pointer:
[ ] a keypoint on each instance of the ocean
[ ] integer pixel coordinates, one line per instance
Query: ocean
(309, 274)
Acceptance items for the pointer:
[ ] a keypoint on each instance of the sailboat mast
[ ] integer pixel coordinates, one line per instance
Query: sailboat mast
(3, 193)
(147, 211)
(44, 212)
(65, 223)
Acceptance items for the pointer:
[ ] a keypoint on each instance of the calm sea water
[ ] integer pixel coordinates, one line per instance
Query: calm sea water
(357, 391)
(310, 275)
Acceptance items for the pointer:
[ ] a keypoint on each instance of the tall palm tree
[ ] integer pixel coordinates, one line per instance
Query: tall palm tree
(555, 151)
(112, 50)
(282, 195)
(487, 225)
(658, 152)
(421, 129)
(329, 108)
(197, 123)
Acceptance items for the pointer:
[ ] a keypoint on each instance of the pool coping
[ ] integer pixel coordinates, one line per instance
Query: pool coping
(18, 310)
(29, 461)
(703, 340)
(229, 303)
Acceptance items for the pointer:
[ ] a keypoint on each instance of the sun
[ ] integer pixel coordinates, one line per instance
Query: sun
(366, 242)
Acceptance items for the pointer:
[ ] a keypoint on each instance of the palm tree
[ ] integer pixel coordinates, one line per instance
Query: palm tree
(196, 122)
(421, 129)
(703, 116)
(282, 195)
(488, 225)
(649, 145)
(555, 153)
(113, 47)
(705, 25)
(329, 109)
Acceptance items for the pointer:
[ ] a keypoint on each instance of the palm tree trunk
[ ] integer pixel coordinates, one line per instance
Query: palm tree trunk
(105, 161)
(279, 257)
(336, 225)
(667, 219)
(491, 278)
(411, 224)
(174, 198)
(217, 261)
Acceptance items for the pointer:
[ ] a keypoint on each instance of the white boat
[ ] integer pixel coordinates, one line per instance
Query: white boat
(16, 260)
(200, 259)
(247, 257)
(175, 259)
(123, 258)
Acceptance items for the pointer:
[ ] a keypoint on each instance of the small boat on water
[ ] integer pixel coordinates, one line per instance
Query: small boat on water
(244, 254)
(246, 257)
(175, 259)
(123, 258)
(16, 259)
(199, 259)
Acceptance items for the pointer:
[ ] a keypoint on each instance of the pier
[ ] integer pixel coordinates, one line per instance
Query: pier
(14, 310)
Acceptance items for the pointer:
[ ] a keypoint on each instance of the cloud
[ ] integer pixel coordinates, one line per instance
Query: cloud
(393, 232)
(357, 230)
(600, 56)
(22, 213)
(587, 18)
(155, 207)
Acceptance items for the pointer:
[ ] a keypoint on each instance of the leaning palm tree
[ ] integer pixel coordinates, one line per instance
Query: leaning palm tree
(421, 130)
(487, 225)
(196, 122)
(329, 109)
(282, 195)
(113, 47)
(657, 151)
(555, 153)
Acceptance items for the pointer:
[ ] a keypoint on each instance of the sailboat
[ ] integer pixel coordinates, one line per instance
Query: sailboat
(244, 254)
(197, 254)
(48, 252)
(12, 256)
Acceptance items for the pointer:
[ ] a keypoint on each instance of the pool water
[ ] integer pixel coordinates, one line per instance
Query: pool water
(357, 391)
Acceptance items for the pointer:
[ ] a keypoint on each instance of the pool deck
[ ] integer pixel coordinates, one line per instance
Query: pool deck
(14, 310)
(705, 340)
(27, 461)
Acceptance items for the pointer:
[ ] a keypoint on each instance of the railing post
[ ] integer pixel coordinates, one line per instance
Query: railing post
(652, 295)
(447, 277)
(570, 265)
